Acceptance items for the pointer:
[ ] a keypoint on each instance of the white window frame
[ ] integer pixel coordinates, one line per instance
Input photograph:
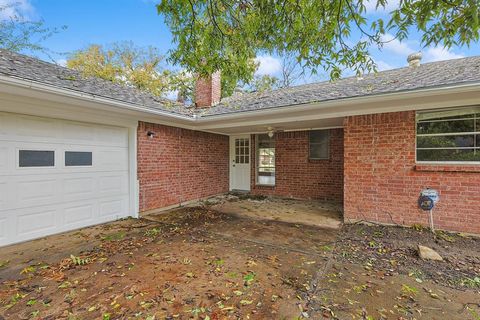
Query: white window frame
(257, 163)
(443, 162)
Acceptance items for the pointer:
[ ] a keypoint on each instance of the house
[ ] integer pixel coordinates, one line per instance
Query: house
(80, 151)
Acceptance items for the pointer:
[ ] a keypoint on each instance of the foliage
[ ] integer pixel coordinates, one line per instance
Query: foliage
(124, 63)
(141, 67)
(77, 261)
(20, 34)
(408, 290)
(471, 282)
(215, 35)
(262, 83)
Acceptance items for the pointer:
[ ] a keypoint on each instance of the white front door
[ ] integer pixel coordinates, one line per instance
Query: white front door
(58, 175)
(240, 158)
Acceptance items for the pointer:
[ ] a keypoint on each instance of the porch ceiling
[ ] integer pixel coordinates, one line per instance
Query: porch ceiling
(280, 126)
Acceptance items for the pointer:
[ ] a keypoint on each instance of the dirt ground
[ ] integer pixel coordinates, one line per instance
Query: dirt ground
(198, 263)
(312, 213)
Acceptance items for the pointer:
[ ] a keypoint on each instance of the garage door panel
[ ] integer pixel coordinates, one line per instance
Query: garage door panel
(36, 222)
(3, 194)
(6, 154)
(112, 160)
(111, 136)
(38, 201)
(78, 132)
(113, 185)
(36, 127)
(112, 208)
(3, 230)
(79, 214)
(78, 187)
(36, 192)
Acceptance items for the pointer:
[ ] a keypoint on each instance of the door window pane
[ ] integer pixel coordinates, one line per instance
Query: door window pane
(242, 151)
(78, 158)
(36, 158)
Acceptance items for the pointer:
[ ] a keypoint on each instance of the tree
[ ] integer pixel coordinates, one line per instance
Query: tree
(335, 35)
(128, 64)
(20, 34)
(262, 83)
(291, 71)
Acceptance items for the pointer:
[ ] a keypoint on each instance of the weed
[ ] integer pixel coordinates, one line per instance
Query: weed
(378, 234)
(407, 290)
(360, 289)
(418, 227)
(114, 236)
(77, 261)
(219, 262)
(29, 269)
(417, 274)
(326, 248)
(249, 278)
(444, 236)
(471, 283)
(14, 299)
(152, 233)
(474, 314)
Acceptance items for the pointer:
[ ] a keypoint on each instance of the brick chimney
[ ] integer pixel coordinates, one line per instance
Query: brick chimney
(208, 91)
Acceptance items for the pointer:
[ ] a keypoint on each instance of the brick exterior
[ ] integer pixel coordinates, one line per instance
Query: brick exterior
(299, 177)
(208, 91)
(178, 165)
(382, 182)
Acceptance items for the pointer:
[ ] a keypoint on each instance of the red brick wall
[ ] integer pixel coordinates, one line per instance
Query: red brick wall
(382, 182)
(299, 177)
(178, 165)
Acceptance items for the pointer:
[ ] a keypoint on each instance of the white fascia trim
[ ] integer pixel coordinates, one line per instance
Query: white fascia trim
(29, 84)
(348, 101)
(317, 106)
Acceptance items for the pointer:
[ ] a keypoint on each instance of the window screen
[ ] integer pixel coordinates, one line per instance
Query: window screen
(36, 158)
(452, 135)
(78, 158)
(319, 144)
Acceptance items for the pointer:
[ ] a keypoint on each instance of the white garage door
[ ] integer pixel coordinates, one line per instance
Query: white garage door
(58, 175)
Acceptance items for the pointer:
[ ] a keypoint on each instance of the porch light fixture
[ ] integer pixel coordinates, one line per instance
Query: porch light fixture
(150, 134)
(270, 132)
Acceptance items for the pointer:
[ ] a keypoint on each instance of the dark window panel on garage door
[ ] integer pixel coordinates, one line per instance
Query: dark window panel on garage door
(78, 158)
(36, 158)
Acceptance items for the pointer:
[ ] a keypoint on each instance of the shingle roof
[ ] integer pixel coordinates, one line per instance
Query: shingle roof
(427, 75)
(28, 68)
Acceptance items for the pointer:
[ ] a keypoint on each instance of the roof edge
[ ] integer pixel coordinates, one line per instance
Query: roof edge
(195, 119)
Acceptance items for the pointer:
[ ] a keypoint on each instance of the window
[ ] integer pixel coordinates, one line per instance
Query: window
(265, 160)
(242, 151)
(36, 158)
(449, 136)
(78, 158)
(319, 141)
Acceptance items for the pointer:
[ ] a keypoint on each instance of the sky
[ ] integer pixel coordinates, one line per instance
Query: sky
(107, 21)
